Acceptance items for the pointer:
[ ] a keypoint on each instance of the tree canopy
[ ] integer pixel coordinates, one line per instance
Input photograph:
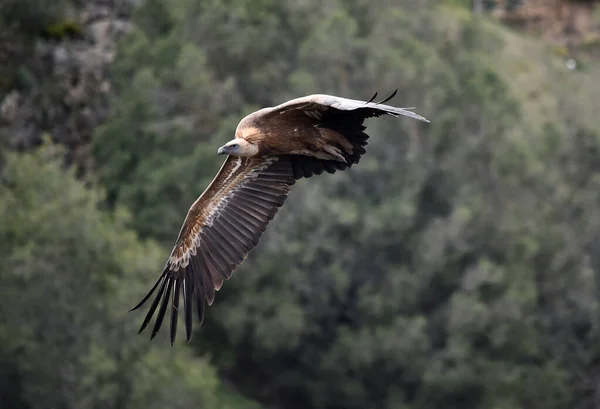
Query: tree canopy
(455, 266)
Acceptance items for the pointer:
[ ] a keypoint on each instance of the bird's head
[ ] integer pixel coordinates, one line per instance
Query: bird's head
(238, 147)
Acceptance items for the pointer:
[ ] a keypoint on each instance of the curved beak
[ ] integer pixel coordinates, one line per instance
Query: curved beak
(222, 150)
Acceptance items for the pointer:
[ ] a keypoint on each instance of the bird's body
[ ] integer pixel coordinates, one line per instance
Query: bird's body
(273, 147)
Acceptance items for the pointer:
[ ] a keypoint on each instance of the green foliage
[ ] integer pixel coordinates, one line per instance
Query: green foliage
(65, 28)
(412, 281)
(68, 275)
(456, 266)
(161, 136)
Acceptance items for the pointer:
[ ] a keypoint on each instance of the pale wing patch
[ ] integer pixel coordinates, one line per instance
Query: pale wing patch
(238, 163)
(181, 255)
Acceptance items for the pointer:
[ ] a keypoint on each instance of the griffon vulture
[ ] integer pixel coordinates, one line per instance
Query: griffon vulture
(273, 147)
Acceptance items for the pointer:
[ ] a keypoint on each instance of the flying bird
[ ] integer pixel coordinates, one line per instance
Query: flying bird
(273, 147)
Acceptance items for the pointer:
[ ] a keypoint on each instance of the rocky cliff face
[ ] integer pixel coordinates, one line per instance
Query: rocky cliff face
(567, 22)
(55, 77)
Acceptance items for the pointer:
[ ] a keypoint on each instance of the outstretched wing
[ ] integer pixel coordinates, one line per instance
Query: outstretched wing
(341, 115)
(221, 228)
(316, 105)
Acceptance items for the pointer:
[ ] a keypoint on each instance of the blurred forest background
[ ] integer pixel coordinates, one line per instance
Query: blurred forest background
(457, 266)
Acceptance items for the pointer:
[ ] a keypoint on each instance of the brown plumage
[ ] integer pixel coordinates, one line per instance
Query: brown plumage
(272, 149)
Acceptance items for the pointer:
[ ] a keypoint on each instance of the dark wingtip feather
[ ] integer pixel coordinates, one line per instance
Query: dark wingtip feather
(200, 307)
(187, 303)
(152, 308)
(149, 292)
(388, 98)
(199, 290)
(175, 310)
(163, 308)
(372, 98)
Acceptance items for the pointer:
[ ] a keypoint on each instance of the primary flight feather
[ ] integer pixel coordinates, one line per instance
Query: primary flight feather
(273, 147)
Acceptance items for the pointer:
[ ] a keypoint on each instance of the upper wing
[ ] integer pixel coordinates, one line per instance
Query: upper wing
(317, 104)
(343, 116)
(221, 228)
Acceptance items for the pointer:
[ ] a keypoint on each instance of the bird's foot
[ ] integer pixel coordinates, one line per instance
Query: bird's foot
(335, 152)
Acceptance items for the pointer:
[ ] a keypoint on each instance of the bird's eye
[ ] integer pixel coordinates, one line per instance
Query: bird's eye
(234, 146)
